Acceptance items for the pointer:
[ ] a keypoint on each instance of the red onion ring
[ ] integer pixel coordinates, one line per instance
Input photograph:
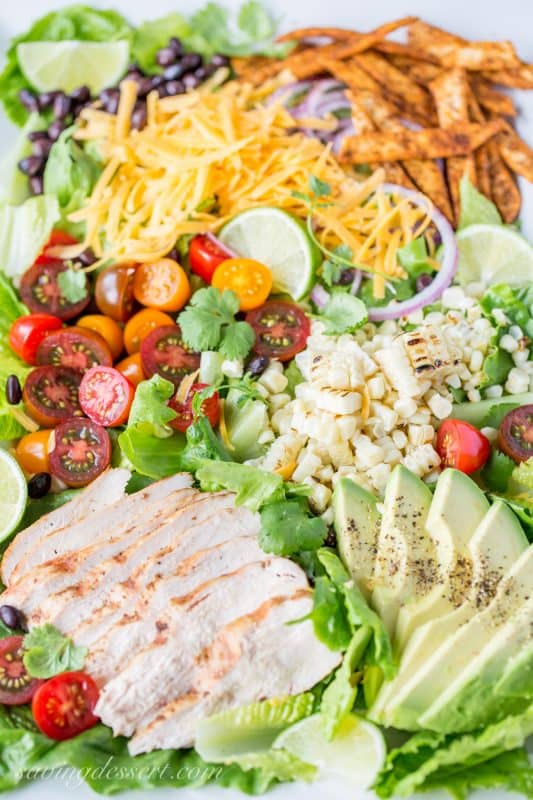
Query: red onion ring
(443, 277)
(357, 280)
(288, 91)
(226, 250)
(316, 95)
(340, 136)
(319, 296)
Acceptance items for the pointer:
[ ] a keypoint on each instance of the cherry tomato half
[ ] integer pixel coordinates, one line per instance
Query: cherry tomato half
(107, 328)
(281, 329)
(210, 408)
(82, 450)
(462, 446)
(32, 452)
(50, 395)
(106, 396)
(132, 368)
(163, 284)
(77, 348)
(16, 686)
(113, 292)
(57, 238)
(164, 352)
(64, 706)
(143, 323)
(41, 290)
(250, 280)
(205, 257)
(26, 334)
(515, 436)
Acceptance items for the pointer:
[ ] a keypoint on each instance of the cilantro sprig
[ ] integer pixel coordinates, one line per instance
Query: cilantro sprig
(208, 323)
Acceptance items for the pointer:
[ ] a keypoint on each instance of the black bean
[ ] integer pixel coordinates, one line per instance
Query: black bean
(28, 100)
(62, 106)
(219, 60)
(12, 618)
(39, 485)
(166, 56)
(173, 73)
(176, 45)
(201, 73)
(35, 135)
(346, 277)
(13, 390)
(156, 81)
(134, 67)
(257, 365)
(81, 95)
(37, 184)
(42, 147)
(145, 86)
(56, 129)
(78, 108)
(32, 165)
(87, 257)
(190, 81)
(138, 118)
(45, 99)
(331, 538)
(174, 255)
(423, 281)
(209, 70)
(110, 99)
(174, 87)
(191, 61)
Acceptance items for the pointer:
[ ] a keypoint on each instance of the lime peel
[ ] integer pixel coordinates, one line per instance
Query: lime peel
(13, 496)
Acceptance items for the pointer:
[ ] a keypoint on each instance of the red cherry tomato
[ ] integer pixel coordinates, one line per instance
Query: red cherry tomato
(16, 686)
(462, 446)
(50, 395)
(210, 408)
(57, 238)
(164, 352)
(205, 256)
(77, 348)
(26, 334)
(42, 291)
(82, 450)
(64, 706)
(515, 436)
(106, 396)
(281, 329)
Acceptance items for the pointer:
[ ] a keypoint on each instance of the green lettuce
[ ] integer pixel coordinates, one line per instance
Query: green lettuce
(14, 187)
(150, 407)
(253, 486)
(73, 22)
(24, 231)
(10, 309)
(152, 35)
(475, 207)
(339, 697)
(414, 258)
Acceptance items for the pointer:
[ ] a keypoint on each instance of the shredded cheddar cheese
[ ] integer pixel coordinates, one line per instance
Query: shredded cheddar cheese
(231, 147)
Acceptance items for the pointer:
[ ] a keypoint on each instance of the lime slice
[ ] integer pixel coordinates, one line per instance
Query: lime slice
(67, 65)
(13, 495)
(493, 254)
(356, 753)
(278, 240)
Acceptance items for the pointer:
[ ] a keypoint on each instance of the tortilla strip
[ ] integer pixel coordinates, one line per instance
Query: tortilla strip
(453, 51)
(426, 143)
(387, 75)
(336, 34)
(505, 192)
(391, 48)
(519, 78)
(491, 99)
(421, 72)
(481, 156)
(516, 153)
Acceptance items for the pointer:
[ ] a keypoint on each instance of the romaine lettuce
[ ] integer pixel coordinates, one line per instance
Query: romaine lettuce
(24, 231)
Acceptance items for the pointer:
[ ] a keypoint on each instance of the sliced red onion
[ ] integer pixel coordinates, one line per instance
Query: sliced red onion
(225, 249)
(316, 95)
(448, 266)
(340, 136)
(319, 296)
(289, 91)
(356, 285)
(333, 101)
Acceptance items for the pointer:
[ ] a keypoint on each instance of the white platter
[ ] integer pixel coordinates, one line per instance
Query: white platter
(476, 19)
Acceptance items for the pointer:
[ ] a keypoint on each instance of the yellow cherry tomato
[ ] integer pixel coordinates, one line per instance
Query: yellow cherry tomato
(163, 284)
(32, 452)
(131, 368)
(141, 324)
(250, 280)
(109, 330)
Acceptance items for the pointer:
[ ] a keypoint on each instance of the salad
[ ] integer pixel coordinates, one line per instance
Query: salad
(266, 407)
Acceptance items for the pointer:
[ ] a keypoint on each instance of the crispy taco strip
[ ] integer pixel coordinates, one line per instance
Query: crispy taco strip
(422, 72)
(491, 99)
(519, 78)
(301, 34)
(505, 192)
(482, 156)
(391, 48)
(426, 143)
(453, 51)
(516, 153)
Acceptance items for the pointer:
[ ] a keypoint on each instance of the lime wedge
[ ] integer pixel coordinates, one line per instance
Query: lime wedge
(356, 753)
(13, 495)
(278, 240)
(67, 65)
(493, 254)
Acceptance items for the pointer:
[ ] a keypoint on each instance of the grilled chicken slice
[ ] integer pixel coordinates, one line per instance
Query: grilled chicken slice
(107, 489)
(251, 658)
(164, 668)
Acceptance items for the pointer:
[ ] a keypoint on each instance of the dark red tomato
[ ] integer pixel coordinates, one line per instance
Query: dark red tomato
(40, 289)
(106, 396)
(515, 436)
(77, 348)
(210, 408)
(50, 395)
(58, 238)
(64, 706)
(82, 450)
(205, 256)
(16, 686)
(462, 446)
(164, 352)
(114, 292)
(281, 329)
(26, 334)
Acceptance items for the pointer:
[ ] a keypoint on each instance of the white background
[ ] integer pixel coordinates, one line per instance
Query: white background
(476, 19)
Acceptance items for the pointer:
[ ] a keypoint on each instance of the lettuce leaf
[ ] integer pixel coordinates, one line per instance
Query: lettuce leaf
(14, 187)
(24, 231)
(150, 405)
(253, 486)
(475, 207)
(10, 309)
(339, 697)
(152, 35)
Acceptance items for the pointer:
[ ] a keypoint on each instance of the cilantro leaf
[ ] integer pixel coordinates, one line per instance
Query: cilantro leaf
(318, 187)
(523, 473)
(286, 528)
(72, 284)
(237, 340)
(497, 471)
(494, 416)
(343, 313)
(208, 323)
(48, 652)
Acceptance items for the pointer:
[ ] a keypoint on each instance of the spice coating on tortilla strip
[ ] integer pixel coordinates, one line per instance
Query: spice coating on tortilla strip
(519, 78)
(505, 191)
(516, 153)
(426, 143)
(491, 99)
(481, 156)
(453, 51)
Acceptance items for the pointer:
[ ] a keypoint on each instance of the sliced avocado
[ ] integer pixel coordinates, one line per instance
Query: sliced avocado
(244, 424)
(356, 523)
(457, 508)
(441, 650)
(406, 560)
